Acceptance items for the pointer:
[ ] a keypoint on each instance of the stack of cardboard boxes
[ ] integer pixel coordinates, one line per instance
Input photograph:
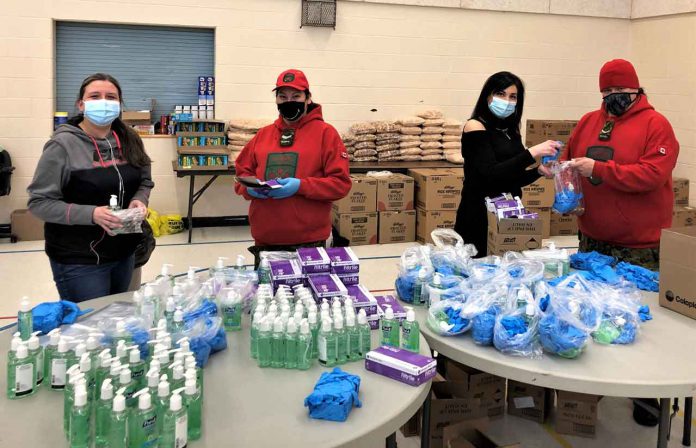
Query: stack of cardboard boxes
(682, 214)
(438, 193)
(377, 209)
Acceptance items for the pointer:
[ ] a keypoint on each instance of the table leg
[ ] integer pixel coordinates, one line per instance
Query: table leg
(190, 207)
(663, 428)
(688, 404)
(391, 440)
(425, 423)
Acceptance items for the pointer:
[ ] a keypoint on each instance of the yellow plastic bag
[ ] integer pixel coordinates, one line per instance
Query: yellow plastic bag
(153, 218)
(171, 224)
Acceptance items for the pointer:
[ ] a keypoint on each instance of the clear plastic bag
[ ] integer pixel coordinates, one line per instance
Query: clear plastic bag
(482, 307)
(131, 220)
(245, 282)
(206, 336)
(412, 261)
(620, 322)
(445, 318)
(516, 330)
(568, 189)
(524, 271)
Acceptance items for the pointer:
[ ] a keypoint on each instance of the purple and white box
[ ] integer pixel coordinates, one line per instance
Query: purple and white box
(401, 365)
(343, 260)
(349, 279)
(362, 299)
(399, 310)
(373, 321)
(286, 272)
(314, 260)
(326, 285)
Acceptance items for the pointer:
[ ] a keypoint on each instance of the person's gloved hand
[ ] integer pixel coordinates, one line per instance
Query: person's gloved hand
(257, 193)
(290, 187)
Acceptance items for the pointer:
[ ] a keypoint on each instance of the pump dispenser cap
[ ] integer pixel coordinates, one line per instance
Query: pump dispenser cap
(22, 351)
(163, 388)
(85, 362)
(178, 314)
(25, 305)
(63, 345)
(171, 305)
(125, 376)
(54, 336)
(134, 355)
(326, 325)
(113, 202)
(437, 279)
(410, 314)
(92, 343)
(80, 396)
(149, 291)
(292, 326)
(362, 318)
(119, 401)
(107, 390)
(33, 342)
(152, 378)
(304, 326)
(190, 387)
(278, 325)
(80, 349)
(265, 324)
(144, 399)
(389, 313)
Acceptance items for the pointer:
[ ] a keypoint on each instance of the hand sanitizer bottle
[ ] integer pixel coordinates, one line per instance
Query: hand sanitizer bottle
(419, 296)
(327, 344)
(125, 381)
(410, 332)
(278, 344)
(314, 330)
(194, 405)
(36, 353)
(137, 367)
(74, 378)
(102, 416)
(21, 379)
(255, 324)
(142, 424)
(218, 267)
(153, 379)
(304, 346)
(103, 368)
(25, 322)
(264, 342)
(231, 308)
(365, 333)
(435, 290)
(80, 414)
(353, 334)
(341, 340)
(169, 310)
(162, 403)
(264, 271)
(390, 328)
(49, 351)
(118, 423)
(175, 425)
(291, 345)
(59, 365)
(240, 263)
(178, 322)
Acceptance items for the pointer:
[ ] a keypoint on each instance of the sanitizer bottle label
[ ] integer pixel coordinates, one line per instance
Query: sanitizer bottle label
(58, 373)
(322, 348)
(180, 432)
(24, 379)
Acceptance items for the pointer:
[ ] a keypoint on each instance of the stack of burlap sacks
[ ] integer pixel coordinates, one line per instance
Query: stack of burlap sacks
(240, 132)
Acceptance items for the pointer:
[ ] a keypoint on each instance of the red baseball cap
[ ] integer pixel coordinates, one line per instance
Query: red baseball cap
(292, 78)
(618, 73)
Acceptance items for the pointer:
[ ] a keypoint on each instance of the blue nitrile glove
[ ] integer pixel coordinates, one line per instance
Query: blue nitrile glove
(585, 260)
(290, 187)
(257, 193)
(49, 315)
(643, 278)
(334, 396)
(644, 313)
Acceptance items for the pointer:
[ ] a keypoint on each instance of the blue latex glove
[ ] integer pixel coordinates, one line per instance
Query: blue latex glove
(290, 187)
(644, 313)
(585, 260)
(49, 315)
(334, 396)
(257, 193)
(643, 278)
(566, 201)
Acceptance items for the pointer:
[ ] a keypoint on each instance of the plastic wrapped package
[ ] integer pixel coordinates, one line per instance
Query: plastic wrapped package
(334, 396)
(278, 255)
(450, 256)
(570, 318)
(524, 271)
(245, 282)
(453, 288)
(445, 318)
(482, 307)
(568, 197)
(486, 270)
(206, 336)
(556, 261)
(516, 330)
(621, 317)
(412, 261)
(131, 220)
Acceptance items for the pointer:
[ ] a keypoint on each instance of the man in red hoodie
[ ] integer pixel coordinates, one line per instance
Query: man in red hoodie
(307, 157)
(626, 152)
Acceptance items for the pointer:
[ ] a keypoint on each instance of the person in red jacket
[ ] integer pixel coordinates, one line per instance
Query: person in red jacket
(626, 152)
(307, 157)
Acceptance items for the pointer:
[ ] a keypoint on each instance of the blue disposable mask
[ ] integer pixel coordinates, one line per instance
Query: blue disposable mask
(102, 112)
(502, 108)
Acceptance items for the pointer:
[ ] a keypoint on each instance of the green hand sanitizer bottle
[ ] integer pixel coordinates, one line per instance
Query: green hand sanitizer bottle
(278, 344)
(410, 332)
(36, 353)
(353, 338)
(103, 367)
(118, 424)
(304, 346)
(49, 351)
(314, 330)
(232, 308)
(175, 426)
(341, 340)
(137, 367)
(194, 406)
(390, 328)
(264, 271)
(264, 342)
(291, 345)
(142, 423)
(80, 414)
(365, 333)
(327, 344)
(255, 323)
(21, 379)
(162, 403)
(419, 295)
(75, 377)
(169, 309)
(102, 415)
(25, 323)
(59, 365)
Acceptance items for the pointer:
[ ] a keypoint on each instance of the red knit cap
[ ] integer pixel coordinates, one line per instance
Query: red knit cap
(618, 73)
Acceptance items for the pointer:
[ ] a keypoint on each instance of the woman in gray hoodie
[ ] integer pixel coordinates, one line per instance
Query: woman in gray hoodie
(93, 156)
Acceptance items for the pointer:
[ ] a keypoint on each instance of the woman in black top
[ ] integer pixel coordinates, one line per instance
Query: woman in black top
(495, 160)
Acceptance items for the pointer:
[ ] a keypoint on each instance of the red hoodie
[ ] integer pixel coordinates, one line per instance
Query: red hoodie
(634, 200)
(318, 158)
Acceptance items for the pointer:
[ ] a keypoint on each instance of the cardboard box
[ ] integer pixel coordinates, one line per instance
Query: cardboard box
(487, 388)
(25, 226)
(538, 131)
(397, 227)
(576, 414)
(429, 220)
(438, 189)
(139, 116)
(539, 194)
(683, 216)
(472, 434)
(528, 401)
(395, 192)
(446, 408)
(564, 224)
(545, 216)
(413, 426)
(678, 270)
(359, 228)
(361, 198)
(680, 186)
(511, 234)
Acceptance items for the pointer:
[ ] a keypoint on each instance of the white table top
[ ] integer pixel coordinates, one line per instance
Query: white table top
(244, 405)
(661, 363)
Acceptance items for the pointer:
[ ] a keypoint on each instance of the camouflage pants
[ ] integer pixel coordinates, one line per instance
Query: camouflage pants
(648, 258)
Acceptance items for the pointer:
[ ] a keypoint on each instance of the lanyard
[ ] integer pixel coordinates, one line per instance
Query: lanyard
(96, 147)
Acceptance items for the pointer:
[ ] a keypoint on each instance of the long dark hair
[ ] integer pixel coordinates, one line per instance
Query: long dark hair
(496, 83)
(133, 146)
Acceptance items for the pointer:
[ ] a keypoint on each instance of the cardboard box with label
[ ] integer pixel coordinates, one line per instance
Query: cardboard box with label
(545, 216)
(576, 414)
(472, 434)
(538, 131)
(563, 224)
(448, 407)
(397, 227)
(528, 401)
(362, 197)
(429, 220)
(25, 226)
(438, 189)
(683, 216)
(678, 270)
(487, 388)
(538, 194)
(680, 186)
(359, 228)
(510, 234)
(395, 192)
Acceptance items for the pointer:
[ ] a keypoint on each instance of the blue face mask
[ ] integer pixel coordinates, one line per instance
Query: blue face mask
(501, 108)
(102, 112)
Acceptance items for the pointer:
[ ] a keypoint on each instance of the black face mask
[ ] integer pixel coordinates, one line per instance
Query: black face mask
(291, 110)
(618, 103)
